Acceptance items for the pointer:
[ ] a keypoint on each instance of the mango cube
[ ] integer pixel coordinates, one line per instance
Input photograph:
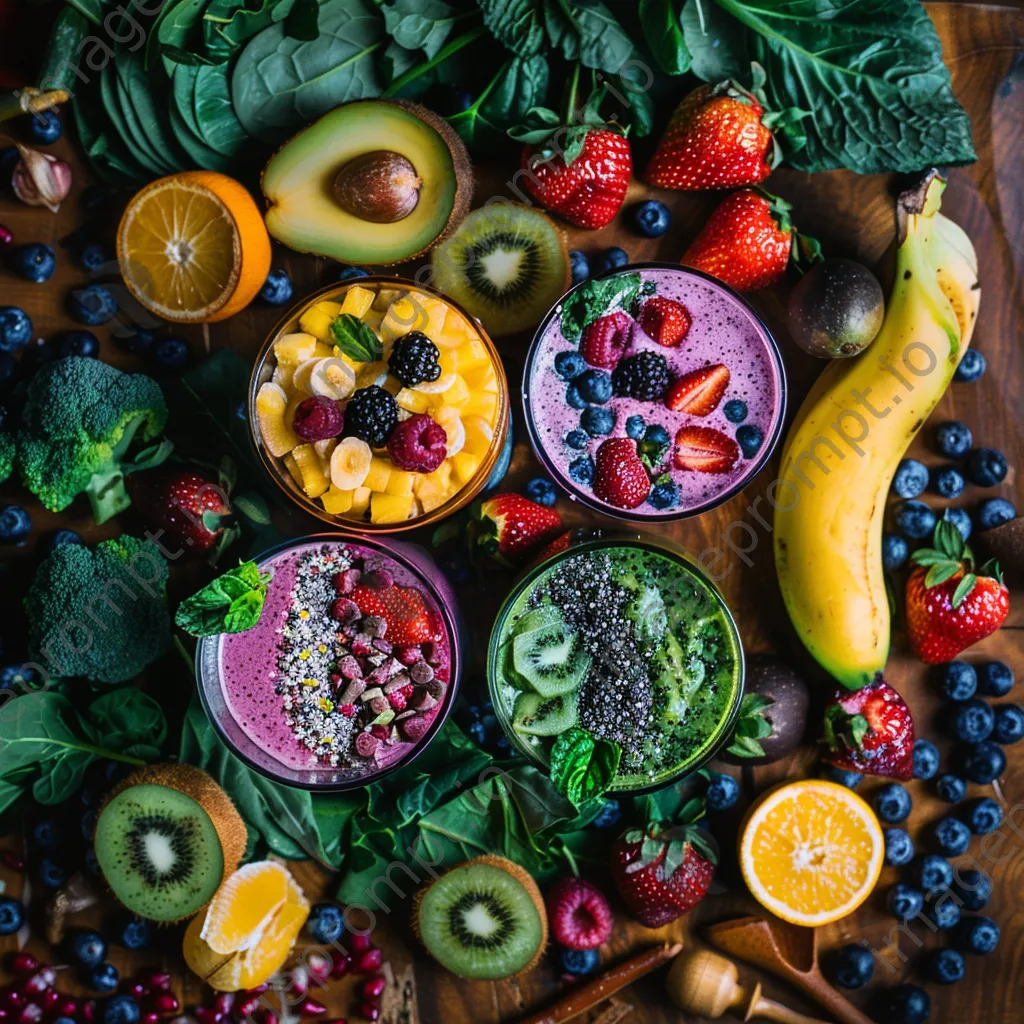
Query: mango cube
(360, 501)
(400, 482)
(337, 502)
(471, 354)
(482, 379)
(377, 478)
(392, 385)
(464, 465)
(357, 301)
(457, 395)
(390, 508)
(384, 298)
(295, 348)
(413, 401)
(456, 331)
(311, 477)
(434, 489)
(317, 321)
(478, 435)
(484, 404)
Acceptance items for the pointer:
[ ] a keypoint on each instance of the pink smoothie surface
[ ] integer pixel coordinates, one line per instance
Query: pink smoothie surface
(724, 331)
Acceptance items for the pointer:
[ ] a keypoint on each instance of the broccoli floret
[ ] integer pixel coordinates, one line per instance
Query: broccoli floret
(7, 454)
(79, 417)
(99, 613)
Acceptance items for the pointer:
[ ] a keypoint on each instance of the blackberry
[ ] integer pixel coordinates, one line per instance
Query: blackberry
(371, 415)
(644, 376)
(414, 359)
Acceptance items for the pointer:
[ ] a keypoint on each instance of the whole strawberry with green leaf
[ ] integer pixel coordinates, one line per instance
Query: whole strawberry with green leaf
(951, 604)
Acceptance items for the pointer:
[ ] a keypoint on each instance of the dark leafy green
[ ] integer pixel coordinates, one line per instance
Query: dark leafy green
(663, 33)
(60, 60)
(227, 24)
(583, 767)
(356, 338)
(520, 86)
(596, 298)
(231, 603)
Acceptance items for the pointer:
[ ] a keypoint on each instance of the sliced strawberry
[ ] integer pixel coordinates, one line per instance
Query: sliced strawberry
(619, 476)
(404, 609)
(698, 393)
(665, 321)
(512, 525)
(704, 450)
(606, 339)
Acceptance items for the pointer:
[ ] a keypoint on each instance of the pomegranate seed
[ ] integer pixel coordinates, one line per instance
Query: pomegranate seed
(373, 987)
(12, 997)
(67, 1007)
(223, 1001)
(337, 1020)
(158, 980)
(30, 1014)
(149, 1017)
(23, 963)
(369, 960)
(248, 1006)
(207, 1015)
(368, 1011)
(358, 941)
(12, 860)
(268, 1017)
(311, 1008)
(163, 1003)
(5, 235)
(4, 1015)
(256, 989)
(319, 966)
(87, 1011)
(49, 1000)
(341, 965)
(137, 990)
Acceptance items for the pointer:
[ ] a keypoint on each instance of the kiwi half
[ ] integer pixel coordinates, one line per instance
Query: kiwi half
(505, 264)
(166, 838)
(551, 659)
(535, 715)
(484, 919)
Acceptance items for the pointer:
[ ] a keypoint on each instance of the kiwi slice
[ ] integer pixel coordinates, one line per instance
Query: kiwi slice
(542, 615)
(550, 659)
(484, 919)
(506, 264)
(535, 715)
(166, 838)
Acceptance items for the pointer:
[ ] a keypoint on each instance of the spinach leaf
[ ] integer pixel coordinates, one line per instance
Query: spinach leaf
(419, 24)
(519, 25)
(356, 338)
(596, 298)
(227, 24)
(663, 31)
(280, 84)
(130, 721)
(57, 70)
(302, 20)
(582, 767)
(231, 603)
(519, 87)
(715, 41)
(94, 10)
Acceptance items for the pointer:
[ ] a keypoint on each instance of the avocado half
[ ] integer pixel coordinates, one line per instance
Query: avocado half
(374, 181)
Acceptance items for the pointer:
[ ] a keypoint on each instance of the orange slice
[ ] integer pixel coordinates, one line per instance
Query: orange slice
(193, 247)
(243, 906)
(811, 852)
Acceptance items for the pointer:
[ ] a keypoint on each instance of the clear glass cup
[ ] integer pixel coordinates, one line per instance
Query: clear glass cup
(548, 416)
(224, 701)
(263, 371)
(631, 541)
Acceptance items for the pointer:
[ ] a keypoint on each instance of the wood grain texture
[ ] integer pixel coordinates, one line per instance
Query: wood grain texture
(853, 216)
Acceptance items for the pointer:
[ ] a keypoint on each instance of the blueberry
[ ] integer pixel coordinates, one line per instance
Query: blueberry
(652, 219)
(87, 823)
(977, 935)
(893, 803)
(569, 365)
(983, 816)
(15, 524)
(735, 411)
(477, 733)
(15, 328)
(577, 439)
(961, 520)
(594, 386)
(944, 911)
(750, 439)
(995, 679)
(141, 341)
(611, 259)
(911, 479)
(93, 256)
(950, 788)
(87, 948)
(986, 467)
(971, 367)
(904, 901)
(914, 519)
(103, 978)
(932, 872)
(609, 815)
(78, 343)
(455, 564)
(60, 539)
(573, 398)
(959, 680)
(582, 469)
(120, 1010)
(51, 874)
(12, 915)
(926, 759)
(44, 128)
(18, 677)
(895, 552)
(635, 427)
(853, 966)
(972, 720)
(656, 434)
(947, 482)
(347, 273)
(904, 1004)
(172, 353)
(579, 961)
(45, 835)
(943, 966)
(325, 923)
(953, 439)
(899, 847)
(722, 793)
(277, 289)
(35, 262)
(983, 763)
(973, 888)
(597, 421)
(1009, 727)
(851, 780)
(952, 837)
(663, 495)
(994, 512)
(92, 305)
(542, 491)
(579, 266)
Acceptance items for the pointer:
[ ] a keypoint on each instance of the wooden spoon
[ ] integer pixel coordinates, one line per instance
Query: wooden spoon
(790, 953)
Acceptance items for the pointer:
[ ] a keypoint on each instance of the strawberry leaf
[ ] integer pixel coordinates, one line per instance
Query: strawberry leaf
(745, 746)
(991, 568)
(674, 857)
(940, 572)
(964, 587)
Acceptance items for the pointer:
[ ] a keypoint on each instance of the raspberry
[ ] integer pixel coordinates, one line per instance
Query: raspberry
(414, 359)
(605, 340)
(318, 418)
(371, 415)
(418, 444)
(579, 913)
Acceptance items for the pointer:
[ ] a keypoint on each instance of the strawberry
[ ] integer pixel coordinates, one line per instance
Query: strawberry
(747, 242)
(716, 138)
(663, 873)
(950, 605)
(605, 340)
(664, 320)
(585, 185)
(704, 450)
(698, 393)
(870, 730)
(619, 476)
(513, 525)
(181, 506)
(404, 609)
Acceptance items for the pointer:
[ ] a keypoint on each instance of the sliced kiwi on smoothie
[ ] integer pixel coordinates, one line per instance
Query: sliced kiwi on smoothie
(535, 715)
(551, 659)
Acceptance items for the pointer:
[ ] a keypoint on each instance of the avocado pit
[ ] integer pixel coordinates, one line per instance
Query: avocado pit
(381, 187)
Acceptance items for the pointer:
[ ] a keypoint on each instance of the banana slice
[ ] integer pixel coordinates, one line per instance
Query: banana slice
(350, 463)
(372, 373)
(332, 377)
(447, 417)
(435, 387)
(303, 374)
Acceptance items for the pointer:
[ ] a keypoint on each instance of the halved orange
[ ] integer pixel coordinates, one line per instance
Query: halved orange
(193, 247)
(811, 851)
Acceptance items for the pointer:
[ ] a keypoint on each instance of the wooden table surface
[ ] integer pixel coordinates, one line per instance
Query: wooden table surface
(853, 217)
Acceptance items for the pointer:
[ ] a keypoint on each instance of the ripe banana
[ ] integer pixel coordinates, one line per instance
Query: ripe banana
(850, 434)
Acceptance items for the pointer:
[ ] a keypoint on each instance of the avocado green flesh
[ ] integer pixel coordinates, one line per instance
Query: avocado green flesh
(298, 184)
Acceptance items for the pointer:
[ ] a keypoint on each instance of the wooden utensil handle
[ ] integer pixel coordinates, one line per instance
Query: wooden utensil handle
(769, 1010)
(838, 1006)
